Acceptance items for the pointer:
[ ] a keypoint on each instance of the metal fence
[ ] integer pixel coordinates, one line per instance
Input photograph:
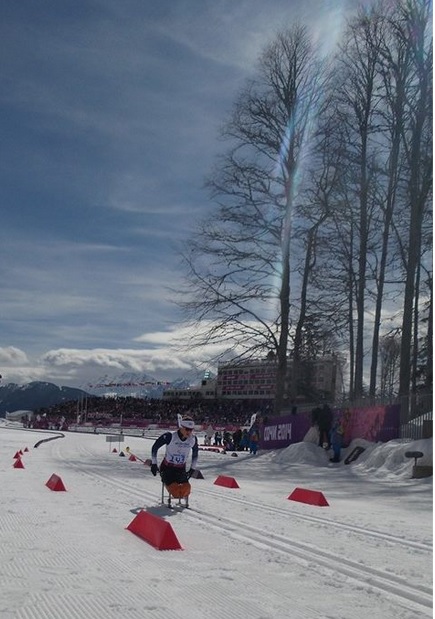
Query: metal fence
(416, 416)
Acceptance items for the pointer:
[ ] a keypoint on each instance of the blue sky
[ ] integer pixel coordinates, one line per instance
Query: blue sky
(109, 124)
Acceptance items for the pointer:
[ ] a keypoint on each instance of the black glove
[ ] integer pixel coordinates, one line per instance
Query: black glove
(154, 469)
(190, 472)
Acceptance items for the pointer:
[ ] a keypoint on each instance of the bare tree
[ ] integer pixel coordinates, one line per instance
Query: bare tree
(377, 107)
(315, 316)
(393, 66)
(243, 286)
(357, 101)
(413, 27)
(389, 350)
(321, 203)
(424, 357)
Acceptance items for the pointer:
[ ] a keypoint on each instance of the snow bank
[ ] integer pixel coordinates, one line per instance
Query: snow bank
(378, 459)
(302, 453)
(386, 459)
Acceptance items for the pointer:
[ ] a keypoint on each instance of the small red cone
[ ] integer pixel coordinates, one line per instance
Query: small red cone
(154, 530)
(26, 449)
(55, 483)
(17, 454)
(114, 450)
(18, 464)
(197, 474)
(228, 482)
(312, 497)
(132, 458)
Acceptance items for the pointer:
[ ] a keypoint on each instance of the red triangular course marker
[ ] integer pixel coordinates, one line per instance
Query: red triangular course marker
(55, 483)
(154, 530)
(133, 458)
(311, 497)
(26, 449)
(17, 455)
(228, 482)
(18, 464)
(114, 450)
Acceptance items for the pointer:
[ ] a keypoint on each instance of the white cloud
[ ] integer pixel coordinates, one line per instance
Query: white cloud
(75, 367)
(11, 356)
(163, 358)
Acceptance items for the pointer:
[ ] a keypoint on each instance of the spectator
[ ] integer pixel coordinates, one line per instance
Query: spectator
(237, 437)
(254, 437)
(325, 424)
(336, 440)
(244, 441)
(228, 444)
(315, 416)
(208, 435)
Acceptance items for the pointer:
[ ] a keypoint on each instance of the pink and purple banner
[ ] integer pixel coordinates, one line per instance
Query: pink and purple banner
(374, 424)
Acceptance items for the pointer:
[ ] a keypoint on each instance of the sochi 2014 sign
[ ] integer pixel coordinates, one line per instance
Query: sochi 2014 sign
(277, 432)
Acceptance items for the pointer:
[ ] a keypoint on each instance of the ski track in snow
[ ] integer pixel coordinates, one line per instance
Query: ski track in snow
(330, 523)
(371, 533)
(413, 596)
(216, 594)
(73, 583)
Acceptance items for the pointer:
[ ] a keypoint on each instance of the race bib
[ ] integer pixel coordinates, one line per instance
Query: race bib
(176, 459)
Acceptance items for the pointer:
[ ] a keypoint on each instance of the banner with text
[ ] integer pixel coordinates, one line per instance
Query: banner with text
(373, 423)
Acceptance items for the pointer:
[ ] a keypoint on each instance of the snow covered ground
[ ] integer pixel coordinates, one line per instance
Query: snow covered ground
(248, 552)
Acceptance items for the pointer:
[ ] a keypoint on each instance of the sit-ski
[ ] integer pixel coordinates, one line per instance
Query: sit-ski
(177, 492)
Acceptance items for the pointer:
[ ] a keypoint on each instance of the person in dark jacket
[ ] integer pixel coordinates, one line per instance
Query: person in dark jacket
(315, 416)
(325, 424)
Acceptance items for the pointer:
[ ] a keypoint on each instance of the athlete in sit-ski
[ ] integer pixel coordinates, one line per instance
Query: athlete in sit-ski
(179, 444)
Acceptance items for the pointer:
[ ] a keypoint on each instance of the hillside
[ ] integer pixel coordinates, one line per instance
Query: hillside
(35, 395)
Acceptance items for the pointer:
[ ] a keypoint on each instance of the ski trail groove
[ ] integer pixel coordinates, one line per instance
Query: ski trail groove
(325, 521)
(421, 596)
(371, 533)
(230, 588)
(376, 578)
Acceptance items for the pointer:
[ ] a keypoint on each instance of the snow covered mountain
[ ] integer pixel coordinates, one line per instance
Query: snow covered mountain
(136, 385)
(35, 395)
(38, 394)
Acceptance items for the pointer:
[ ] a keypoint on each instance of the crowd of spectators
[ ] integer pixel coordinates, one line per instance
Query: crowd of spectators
(138, 412)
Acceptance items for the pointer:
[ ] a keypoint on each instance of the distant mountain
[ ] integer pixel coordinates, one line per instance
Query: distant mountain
(35, 395)
(135, 385)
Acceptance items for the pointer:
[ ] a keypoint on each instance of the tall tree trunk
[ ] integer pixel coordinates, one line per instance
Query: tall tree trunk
(417, 16)
(429, 339)
(309, 264)
(388, 215)
(408, 305)
(284, 300)
(415, 346)
(362, 265)
(350, 285)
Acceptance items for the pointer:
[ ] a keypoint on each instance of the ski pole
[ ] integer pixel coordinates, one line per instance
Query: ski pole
(128, 450)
